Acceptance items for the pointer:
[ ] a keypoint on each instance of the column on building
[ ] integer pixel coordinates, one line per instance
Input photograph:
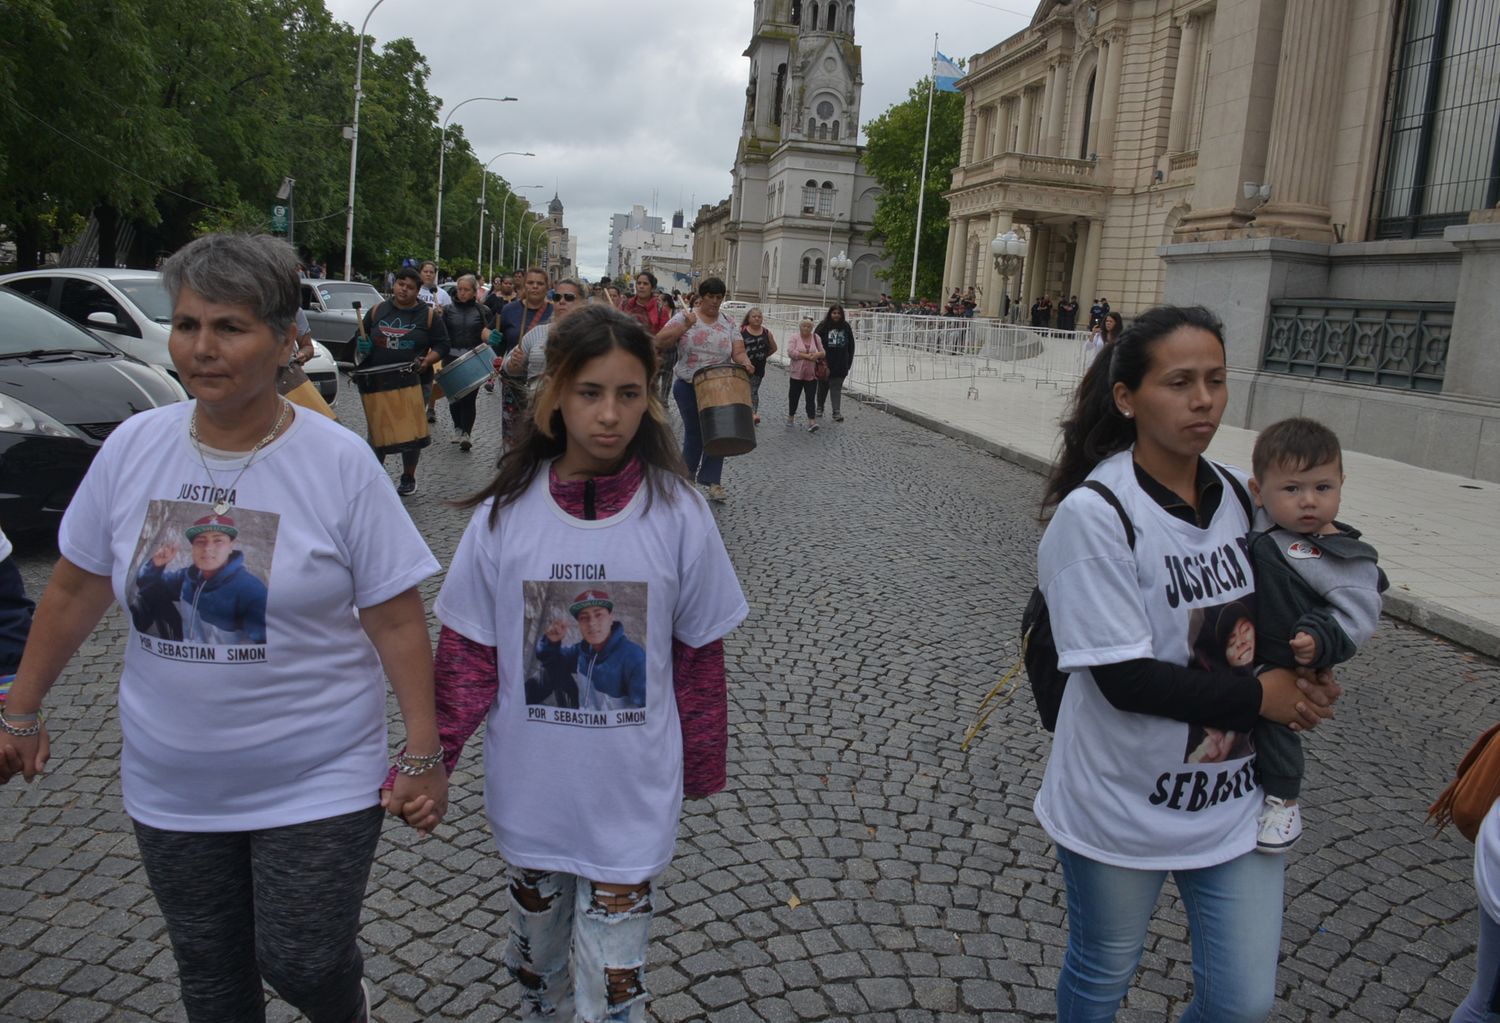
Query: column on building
(958, 232)
(1114, 56)
(1000, 222)
(1096, 108)
(1088, 289)
(1007, 110)
(1080, 253)
(971, 115)
(1182, 84)
(1053, 118)
(1304, 119)
(1023, 141)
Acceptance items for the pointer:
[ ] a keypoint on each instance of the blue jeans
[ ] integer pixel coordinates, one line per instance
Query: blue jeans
(1483, 1003)
(711, 469)
(1234, 921)
(554, 916)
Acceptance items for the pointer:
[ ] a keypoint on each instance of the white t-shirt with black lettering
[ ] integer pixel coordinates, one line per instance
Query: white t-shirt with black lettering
(250, 696)
(583, 748)
(1138, 790)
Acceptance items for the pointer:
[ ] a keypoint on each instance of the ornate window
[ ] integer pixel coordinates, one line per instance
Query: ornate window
(806, 265)
(810, 197)
(825, 199)
(818, 270)
(833, 16)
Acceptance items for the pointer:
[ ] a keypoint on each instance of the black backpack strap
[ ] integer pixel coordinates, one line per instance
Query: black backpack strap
(1114, 502)
(1239, 491)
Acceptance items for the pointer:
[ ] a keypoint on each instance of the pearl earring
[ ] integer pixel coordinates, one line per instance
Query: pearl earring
(1127, 414)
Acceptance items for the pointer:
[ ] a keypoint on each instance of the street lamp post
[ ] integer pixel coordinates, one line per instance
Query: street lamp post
(504, 209)
(359, 74)
(484, 180)
(841, 265)
(529, 234)
(437, 231)
(1009, 253)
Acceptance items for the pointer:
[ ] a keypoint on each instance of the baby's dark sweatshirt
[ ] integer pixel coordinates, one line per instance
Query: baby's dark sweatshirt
(1326, 586)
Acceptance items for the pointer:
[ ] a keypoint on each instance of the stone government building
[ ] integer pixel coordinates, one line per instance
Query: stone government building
(1324, 174)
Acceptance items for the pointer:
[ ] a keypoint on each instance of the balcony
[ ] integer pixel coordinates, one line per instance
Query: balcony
(1030, 169)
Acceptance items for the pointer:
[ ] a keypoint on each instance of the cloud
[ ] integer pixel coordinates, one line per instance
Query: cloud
(641, 103)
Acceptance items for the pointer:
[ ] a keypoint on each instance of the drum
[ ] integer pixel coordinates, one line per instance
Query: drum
(462, 376)
(394, 412)
(724, 413)
(293, 385)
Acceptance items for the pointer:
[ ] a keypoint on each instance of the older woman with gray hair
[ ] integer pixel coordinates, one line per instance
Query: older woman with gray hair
(270, 574)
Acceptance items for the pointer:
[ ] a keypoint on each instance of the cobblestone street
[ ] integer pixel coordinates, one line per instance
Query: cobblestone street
(859, 866)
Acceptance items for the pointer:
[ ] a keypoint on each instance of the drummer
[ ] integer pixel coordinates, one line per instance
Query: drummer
(702, 336)
(403, 330)
(470, 324)
(527, 359)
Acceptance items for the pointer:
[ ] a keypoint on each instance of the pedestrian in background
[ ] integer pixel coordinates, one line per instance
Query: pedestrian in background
(595, 480)
(528, 360)
(805, 352)
(703, 336)
(1120, 797)
(251, 764)
(837, 335)
(760, 345)
(530, 309)
(1067, 314)
(653, 311)
(470, 324)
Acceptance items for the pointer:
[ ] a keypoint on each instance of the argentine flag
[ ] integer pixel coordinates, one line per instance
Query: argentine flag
(946, 73)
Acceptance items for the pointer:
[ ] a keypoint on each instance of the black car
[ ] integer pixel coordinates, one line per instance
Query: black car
(62, 391)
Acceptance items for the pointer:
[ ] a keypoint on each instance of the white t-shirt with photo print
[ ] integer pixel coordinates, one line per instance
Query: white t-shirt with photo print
(1138, 790)
(583, 773)
(250, 696)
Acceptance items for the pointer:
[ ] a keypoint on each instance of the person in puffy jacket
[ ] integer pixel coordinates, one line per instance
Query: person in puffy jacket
(609, 668)
(470, 324)
(220, 600)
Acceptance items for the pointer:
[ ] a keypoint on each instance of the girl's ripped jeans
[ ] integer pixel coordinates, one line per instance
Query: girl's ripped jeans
(603, 928)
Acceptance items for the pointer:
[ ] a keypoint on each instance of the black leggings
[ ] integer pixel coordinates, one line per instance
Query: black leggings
(811, 388)
(282, 904)
(463, 411)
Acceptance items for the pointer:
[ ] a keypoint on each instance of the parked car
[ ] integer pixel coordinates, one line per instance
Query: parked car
(330, 312)
(62, 391)
(130, 310)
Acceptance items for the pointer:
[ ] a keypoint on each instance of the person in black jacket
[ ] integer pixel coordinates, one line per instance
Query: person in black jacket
(837, 335)
(470, 324)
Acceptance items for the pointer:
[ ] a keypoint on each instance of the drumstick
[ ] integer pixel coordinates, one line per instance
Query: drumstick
(359, 319)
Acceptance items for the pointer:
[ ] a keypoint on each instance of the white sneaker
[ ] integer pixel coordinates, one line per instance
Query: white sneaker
(716, 492)
(1279, 828)
(364, 988)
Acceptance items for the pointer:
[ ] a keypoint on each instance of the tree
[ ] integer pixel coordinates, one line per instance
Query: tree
(893, 156)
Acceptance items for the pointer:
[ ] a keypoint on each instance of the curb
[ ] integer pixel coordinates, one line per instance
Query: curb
(1421, 612)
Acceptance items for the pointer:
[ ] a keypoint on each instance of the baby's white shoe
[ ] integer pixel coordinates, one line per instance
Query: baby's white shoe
(1280, 826)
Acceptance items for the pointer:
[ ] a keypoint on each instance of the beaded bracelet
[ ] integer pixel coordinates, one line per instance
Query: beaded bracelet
(24, 732)
(412, 765)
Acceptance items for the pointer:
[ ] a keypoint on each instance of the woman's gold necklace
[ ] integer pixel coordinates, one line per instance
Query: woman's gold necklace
(222, 506)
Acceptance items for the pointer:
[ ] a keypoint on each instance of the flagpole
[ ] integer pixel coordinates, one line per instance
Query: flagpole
(916, 245)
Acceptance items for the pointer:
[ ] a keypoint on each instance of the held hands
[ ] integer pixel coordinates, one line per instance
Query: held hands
(24, 756)
(1300, 699)
(1304, 648)
(421, 801)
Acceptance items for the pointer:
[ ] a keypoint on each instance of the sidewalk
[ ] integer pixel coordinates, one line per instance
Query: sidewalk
(1438, 535)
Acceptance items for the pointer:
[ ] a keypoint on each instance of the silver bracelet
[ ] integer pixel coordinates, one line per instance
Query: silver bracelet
(411, 765)
(25, 732)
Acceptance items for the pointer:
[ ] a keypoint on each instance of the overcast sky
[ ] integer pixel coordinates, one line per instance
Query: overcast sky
(640, 102)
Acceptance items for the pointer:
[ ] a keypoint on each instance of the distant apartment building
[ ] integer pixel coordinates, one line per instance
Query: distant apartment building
(638, 241)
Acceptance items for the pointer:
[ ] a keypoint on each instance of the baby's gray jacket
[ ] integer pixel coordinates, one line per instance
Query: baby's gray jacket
(1327, 586)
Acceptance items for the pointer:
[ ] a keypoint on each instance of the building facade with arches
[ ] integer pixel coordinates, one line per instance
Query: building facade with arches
(1323, 174)
(800, 193)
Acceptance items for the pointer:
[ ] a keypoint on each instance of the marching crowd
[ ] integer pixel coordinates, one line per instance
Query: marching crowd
(581, 626)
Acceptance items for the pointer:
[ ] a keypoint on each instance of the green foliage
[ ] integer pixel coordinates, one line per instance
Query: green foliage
(184, 116)
(893, 156)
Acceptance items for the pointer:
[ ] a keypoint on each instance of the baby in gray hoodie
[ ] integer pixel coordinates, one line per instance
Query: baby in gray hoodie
(1317, 592)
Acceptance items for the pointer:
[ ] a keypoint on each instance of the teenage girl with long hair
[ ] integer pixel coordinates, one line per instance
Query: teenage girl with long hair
(582, 623)
(1123, 797)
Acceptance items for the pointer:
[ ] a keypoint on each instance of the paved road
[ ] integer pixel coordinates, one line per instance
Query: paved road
(860, 866)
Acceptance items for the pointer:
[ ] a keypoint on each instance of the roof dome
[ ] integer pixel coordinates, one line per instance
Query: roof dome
(555, 206)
